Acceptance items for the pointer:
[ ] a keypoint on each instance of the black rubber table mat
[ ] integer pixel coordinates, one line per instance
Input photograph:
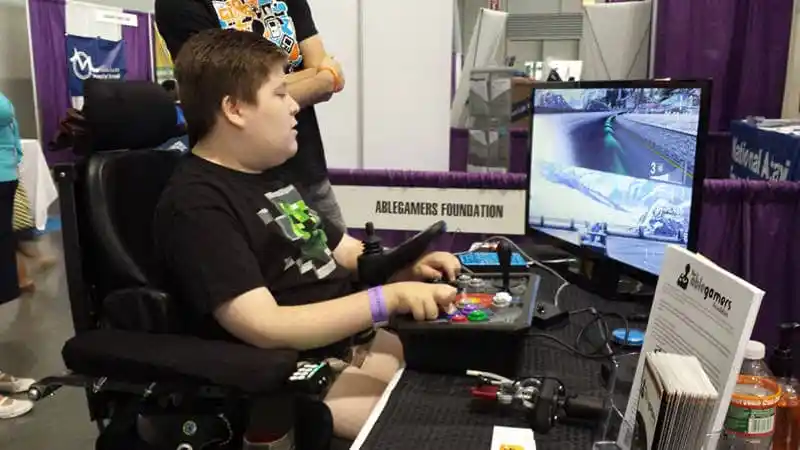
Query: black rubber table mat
(430, 411)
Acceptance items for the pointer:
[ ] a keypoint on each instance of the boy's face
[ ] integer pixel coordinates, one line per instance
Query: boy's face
(269, 123)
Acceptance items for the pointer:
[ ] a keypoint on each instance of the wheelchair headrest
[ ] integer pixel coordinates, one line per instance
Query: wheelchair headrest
(128, 115)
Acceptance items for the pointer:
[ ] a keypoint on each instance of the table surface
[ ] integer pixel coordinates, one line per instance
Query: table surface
(431, 411)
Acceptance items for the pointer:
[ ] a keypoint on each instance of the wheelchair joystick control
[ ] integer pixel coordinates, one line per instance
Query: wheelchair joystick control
(372, 244)
(376, 265)
(504, 258)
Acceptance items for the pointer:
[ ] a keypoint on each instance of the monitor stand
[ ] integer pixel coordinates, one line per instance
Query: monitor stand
(602, 277)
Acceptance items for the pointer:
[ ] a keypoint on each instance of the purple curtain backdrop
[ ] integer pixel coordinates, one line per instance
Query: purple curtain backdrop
(749, 228)
(742, 45)
(138, 51)
(48, 20)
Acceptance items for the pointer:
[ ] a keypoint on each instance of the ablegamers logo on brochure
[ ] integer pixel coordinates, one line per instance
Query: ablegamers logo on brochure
(693, 278)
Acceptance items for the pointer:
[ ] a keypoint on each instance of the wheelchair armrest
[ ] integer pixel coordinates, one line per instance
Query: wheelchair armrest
(133, 357)
(141, 309)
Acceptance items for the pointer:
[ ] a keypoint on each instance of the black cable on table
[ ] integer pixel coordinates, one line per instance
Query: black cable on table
(597, 352)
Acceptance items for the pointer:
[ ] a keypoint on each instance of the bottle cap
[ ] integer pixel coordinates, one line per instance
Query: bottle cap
(755, 350)
(782, 361)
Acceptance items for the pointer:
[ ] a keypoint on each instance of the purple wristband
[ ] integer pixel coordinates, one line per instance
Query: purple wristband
(377, 304)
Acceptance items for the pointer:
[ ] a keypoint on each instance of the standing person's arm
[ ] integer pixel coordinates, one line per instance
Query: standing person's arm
(17, 140)
(328, 76)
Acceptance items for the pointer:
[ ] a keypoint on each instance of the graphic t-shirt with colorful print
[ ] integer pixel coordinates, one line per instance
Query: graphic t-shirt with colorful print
(286, 23)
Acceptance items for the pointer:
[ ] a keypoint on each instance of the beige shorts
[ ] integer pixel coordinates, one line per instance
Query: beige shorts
(355, 357)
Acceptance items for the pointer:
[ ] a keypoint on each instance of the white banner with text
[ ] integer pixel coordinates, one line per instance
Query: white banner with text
(488, 211)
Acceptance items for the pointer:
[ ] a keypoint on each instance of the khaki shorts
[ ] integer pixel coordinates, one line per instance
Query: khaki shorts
(355, 357)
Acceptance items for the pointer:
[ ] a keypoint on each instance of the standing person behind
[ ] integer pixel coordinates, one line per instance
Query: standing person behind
(10, 157)
(28, 242)
(314, 75)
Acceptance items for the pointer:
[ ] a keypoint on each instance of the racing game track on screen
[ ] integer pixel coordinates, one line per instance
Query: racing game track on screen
(612, 169)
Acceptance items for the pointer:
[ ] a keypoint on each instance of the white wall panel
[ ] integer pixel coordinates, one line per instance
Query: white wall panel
(407, 52)
(338, 25)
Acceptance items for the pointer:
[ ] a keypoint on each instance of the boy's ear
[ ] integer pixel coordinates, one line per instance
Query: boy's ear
(232, 111)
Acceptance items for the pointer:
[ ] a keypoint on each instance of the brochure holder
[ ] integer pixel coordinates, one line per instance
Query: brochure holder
(617, 392)
(710, 443)
(716, 332)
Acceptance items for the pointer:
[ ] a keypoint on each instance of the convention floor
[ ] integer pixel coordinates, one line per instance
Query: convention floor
(32, 332)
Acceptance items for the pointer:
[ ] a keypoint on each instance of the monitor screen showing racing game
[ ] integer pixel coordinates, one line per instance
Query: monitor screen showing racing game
(612, 168)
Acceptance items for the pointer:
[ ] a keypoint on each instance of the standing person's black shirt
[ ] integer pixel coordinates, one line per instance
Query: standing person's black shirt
(284, 22)
(221, 233)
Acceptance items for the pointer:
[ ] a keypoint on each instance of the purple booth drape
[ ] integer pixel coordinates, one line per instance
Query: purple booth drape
(743, 45)
(750, 228)
(48, 22)
(138, 51)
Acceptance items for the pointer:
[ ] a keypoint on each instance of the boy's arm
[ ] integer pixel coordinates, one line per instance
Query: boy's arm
(216, 272)
(255, 318)
(214, 269)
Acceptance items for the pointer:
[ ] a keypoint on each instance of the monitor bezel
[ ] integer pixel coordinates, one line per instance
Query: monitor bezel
(642, 275)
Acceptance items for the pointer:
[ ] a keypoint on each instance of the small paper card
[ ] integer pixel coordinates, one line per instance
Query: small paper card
(506, 438)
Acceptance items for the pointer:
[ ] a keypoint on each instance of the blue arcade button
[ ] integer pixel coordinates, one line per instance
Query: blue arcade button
(635, 337)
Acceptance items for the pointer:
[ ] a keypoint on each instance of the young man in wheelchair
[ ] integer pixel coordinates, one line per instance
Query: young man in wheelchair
(247, 259)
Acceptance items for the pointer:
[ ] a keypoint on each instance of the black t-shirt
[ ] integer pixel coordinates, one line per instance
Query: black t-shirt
(221, 233)
(286, 23)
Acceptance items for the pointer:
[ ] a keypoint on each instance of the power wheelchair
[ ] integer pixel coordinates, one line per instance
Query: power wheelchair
(148, 385)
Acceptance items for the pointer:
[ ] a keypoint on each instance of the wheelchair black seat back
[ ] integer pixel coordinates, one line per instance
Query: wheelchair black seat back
(128, 351)
(115, 196)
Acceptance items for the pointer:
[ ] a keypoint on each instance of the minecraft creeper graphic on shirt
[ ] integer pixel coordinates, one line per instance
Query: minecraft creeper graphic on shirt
(305, 225)
(290, 216)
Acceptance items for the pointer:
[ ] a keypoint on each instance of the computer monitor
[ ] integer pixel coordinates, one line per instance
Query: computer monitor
(616, 168)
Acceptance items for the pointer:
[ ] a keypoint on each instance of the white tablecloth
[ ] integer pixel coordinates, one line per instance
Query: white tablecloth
(38, 182)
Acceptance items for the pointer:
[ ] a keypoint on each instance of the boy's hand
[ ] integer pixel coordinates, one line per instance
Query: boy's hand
(433, 266)
(422, 300)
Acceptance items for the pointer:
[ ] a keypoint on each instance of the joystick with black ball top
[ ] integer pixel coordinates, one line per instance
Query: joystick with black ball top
(504, 258)
(372, 243)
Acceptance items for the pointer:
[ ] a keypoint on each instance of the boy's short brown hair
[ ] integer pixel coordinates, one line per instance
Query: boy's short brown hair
(217, 63)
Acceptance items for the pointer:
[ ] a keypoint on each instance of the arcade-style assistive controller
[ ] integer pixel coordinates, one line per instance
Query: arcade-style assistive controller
(483, 330)
(483, 303)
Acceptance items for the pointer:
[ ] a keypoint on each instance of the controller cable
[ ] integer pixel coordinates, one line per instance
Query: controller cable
(602, 351)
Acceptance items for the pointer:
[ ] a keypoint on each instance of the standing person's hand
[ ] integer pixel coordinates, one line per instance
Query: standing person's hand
(422, 300)
(330, 64)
